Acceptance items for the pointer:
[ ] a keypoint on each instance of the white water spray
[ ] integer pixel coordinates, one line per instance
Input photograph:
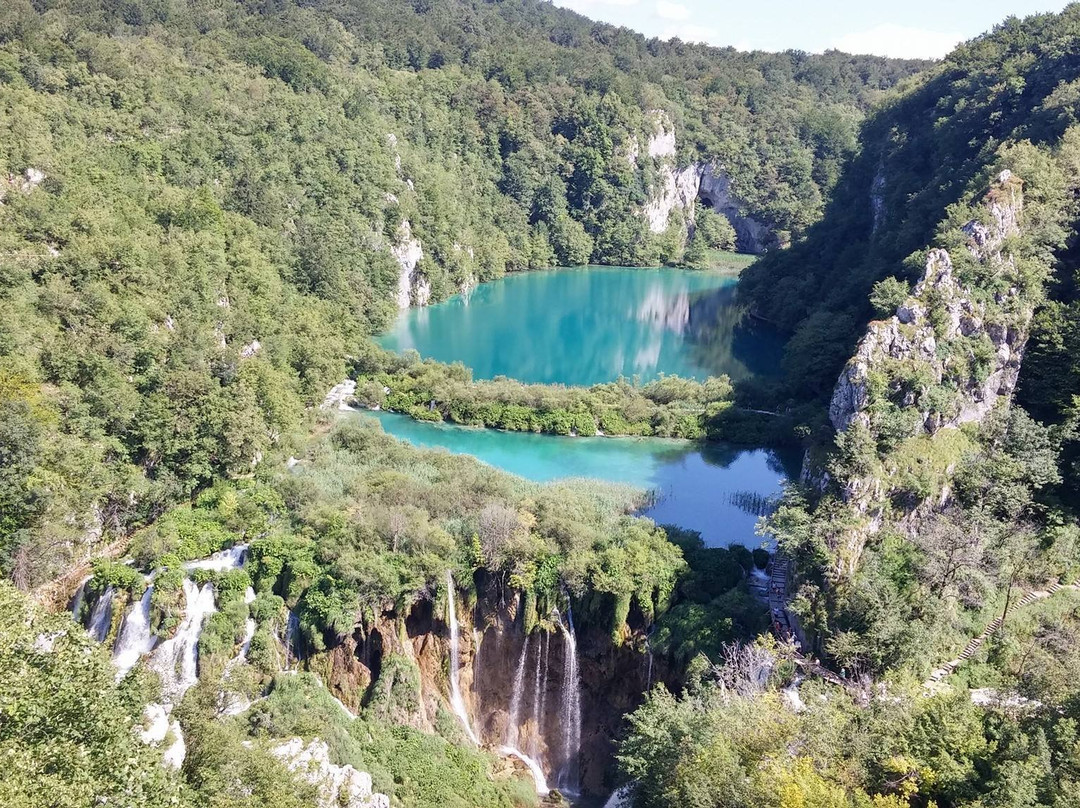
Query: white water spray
(541, 710)
(220, 561)
(541, 660)
(538, 773)
(249, 633)
(456, 701)
(177, 658)
(101, 616)
(569, 776)
(135, 638)
(515, 697)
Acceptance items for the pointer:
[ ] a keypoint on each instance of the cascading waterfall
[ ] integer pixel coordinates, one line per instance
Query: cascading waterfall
(177, 658)
(292, 629)
(534, 768)
(135, 638)
(456, 701)
(541, 709)
(249, 629)
(80, 595)
(541, 661)
(569, 775)
(515, 697)
(101, 616)
(229, 559)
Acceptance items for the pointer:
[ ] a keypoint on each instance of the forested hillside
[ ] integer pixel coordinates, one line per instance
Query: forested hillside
(207, 207)
(933, 538)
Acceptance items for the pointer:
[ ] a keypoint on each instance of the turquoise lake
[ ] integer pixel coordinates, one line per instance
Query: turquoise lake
(594, 324)
(714, 488)
(589, 325)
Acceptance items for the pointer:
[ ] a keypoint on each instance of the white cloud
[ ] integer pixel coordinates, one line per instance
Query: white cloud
(672, 11)
(898, 41)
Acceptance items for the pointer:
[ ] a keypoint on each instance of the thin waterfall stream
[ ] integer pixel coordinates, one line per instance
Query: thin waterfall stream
(456, 701)
(512, 731)
(569, 778)
(101, 616)
(541, 660)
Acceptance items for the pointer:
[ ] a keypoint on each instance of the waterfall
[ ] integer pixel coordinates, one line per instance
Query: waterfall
(541, 661)
(541, 709)
(249, 631)
(623, 797)
(570, 717)
(135, 638)
(515, 697)
(538, 773)
(177, 658)
(456, 701)
(220, 561)
(77, 601)
(513, 728)
(101, 616)
(292, 628)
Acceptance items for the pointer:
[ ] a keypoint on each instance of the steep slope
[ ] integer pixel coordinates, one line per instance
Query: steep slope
(207, 207)
(933, 495)
(919, 154)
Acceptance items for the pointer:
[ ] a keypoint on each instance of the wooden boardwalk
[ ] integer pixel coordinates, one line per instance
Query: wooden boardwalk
(991, 628)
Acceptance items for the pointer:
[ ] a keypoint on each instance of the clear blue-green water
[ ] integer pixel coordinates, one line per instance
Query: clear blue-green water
(590, 325)
(714, 488)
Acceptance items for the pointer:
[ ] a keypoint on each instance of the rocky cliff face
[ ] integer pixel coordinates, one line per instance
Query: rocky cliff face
(941, 313)
(413, 287)
(678, 189)
(398, 666)
(951, 354)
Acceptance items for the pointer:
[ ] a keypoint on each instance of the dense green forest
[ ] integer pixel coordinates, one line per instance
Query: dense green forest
(208, 207)
(202, 204)
(927, 511)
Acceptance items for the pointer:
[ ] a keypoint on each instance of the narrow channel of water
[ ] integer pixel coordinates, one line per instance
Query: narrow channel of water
(717, 489)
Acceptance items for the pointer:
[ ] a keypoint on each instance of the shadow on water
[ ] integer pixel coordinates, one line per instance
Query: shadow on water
(592, 325)
(717, 489)
(722, 337)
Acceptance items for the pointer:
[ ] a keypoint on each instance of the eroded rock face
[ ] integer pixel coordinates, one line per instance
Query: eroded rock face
(753, 235)
(613, 679)
(339, 786)
(678, 189)
(910, 334)
(413, 287)
(939, 322)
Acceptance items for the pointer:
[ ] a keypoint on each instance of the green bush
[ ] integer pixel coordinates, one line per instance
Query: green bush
(887, 295)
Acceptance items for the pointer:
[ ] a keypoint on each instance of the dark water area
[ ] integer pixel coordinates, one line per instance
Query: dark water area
(717, 489)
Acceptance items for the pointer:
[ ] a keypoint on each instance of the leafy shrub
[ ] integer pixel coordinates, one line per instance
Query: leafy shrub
(887, 295)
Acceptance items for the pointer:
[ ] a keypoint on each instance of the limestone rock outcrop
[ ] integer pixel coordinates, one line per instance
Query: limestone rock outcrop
(24, 183)
(339, 786)
(959, 343)
(911, 334)
(413, 287)
(679, 188)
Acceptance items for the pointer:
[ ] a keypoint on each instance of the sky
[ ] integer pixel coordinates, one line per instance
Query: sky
(925, 29)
